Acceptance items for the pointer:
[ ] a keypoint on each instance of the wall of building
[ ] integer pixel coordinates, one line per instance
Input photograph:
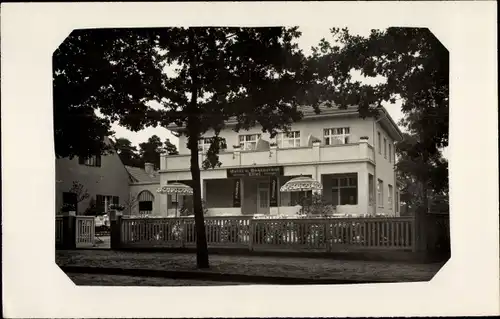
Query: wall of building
(214, 189)
(385, 172)
(136, 189)
(110, 179)
(308, 127)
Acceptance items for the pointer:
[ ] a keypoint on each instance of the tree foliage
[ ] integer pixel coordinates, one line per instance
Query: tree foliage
(415, 67)
(127, 152)
(81, 193)
(100, 68)
(148, 152)
(253, 75)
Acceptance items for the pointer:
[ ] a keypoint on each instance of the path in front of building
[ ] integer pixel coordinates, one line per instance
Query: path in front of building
(288, 267)
(103, 242)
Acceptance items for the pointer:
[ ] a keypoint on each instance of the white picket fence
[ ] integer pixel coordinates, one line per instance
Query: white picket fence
(84, 232)
(59, 230)
(314, 234)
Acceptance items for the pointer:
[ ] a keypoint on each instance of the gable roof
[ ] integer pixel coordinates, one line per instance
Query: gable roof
(139, 175)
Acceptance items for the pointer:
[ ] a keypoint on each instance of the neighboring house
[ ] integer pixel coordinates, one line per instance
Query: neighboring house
(144, 200)
(107, 181)
(103, 176)
(352, 157)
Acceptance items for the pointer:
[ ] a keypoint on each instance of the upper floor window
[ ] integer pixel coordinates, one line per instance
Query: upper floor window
(335, 136)
(379, 143)
(249, 142)
(290, 139)
(94, 160)
(385, 147)
(204, 144)
(390, 153)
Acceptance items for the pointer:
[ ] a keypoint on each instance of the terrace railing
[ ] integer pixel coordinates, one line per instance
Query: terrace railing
(313, 234)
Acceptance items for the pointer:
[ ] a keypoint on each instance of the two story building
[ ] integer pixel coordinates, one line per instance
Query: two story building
(107, 181)
(352, 157)
(103, 177)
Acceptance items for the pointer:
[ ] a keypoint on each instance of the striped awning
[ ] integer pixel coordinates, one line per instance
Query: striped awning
(175, 188)
(301, 184)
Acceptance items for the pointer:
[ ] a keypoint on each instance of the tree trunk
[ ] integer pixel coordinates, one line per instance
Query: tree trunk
(199, 220)
(193, 126)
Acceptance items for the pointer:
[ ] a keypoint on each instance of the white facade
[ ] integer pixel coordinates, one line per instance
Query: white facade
(336, 147)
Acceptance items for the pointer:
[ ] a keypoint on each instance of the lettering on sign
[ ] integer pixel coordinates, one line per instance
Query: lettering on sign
(237, 193)
(255, 171)
(273, 202)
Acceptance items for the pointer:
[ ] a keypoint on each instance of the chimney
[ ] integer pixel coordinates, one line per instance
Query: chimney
(149, 168)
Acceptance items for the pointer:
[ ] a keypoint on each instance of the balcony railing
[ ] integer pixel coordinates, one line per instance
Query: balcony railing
(276, 156)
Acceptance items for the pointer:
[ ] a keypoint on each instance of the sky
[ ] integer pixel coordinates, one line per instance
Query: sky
(311, 36)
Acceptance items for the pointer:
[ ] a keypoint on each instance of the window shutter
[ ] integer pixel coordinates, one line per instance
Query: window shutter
(98, 160)
(116, 200)
(99, 203)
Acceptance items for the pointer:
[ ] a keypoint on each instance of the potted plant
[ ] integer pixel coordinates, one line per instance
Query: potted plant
(114, 210)
(68, 209)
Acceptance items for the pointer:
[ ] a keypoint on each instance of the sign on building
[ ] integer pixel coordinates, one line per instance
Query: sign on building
(237, 193)
(255, 171)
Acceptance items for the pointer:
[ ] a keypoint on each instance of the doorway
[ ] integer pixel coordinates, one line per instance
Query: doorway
(263, 198)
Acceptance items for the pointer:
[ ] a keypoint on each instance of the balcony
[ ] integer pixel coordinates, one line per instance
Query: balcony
(274, 156)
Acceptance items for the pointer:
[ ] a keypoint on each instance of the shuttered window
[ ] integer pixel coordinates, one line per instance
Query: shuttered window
(146, 200)
(90, 161)
(103, 202)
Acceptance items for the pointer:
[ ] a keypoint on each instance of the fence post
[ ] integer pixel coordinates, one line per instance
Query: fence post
(414, 229)
(251, 234)
(183, 232)
(69, 231)
(328, 236)
(115, 230)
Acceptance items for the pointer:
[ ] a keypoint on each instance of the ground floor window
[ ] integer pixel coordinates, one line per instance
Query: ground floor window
(345, 190)
(380, 193)
(397, 202)
(219, 193)
(389, 197)
(146, 200)
(103, 202)
(371, 189)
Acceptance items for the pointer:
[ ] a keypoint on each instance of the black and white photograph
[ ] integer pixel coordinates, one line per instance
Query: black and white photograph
(273, 155)
(282, 159)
